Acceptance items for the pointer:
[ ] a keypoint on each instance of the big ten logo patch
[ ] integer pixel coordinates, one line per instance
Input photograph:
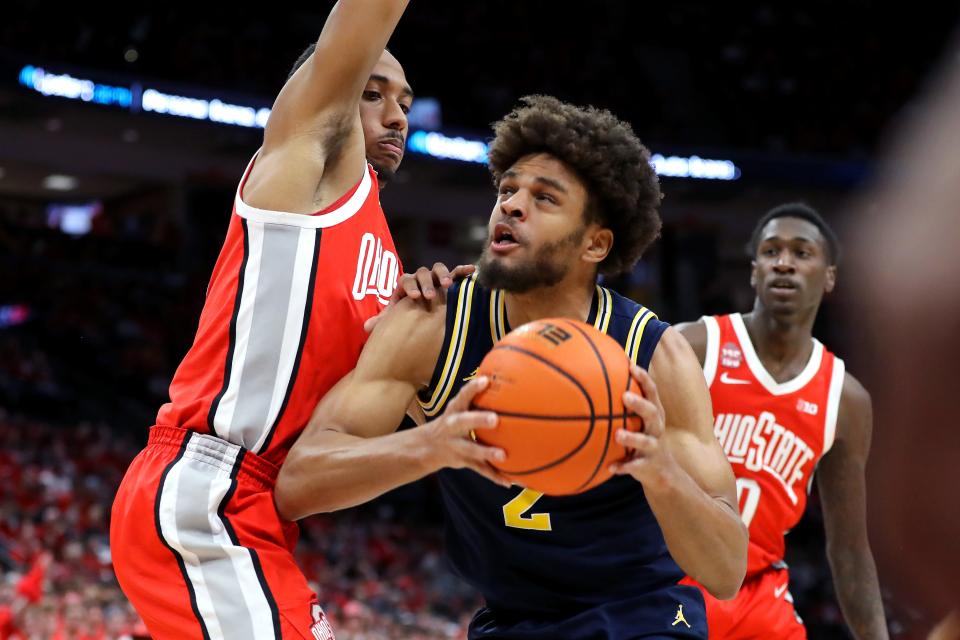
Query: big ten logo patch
(377, 270)
(807, 407)
(730, 355)
(320, 629)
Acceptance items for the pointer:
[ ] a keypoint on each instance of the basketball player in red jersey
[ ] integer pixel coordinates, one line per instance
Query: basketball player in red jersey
(197, 544)
(783, 407)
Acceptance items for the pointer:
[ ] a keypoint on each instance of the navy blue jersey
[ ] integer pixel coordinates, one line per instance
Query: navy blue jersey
(593, 565)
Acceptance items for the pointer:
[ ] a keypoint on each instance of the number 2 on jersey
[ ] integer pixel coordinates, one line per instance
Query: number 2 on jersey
(515, 512)
(748, 496)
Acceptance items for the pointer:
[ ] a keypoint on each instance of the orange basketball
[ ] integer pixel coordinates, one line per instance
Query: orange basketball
(557, 385)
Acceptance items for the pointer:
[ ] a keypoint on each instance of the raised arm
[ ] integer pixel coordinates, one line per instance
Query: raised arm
(313, 145)
(349, 453)
(840, 478)
(326, 90)
(685, 475)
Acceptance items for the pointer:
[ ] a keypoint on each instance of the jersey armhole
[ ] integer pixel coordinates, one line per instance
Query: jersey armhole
(833, 403)
(434, 397)
(712, 354)
(648, 341)
(339, 211)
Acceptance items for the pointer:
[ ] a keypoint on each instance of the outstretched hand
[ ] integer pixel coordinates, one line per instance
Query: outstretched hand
(423, 283)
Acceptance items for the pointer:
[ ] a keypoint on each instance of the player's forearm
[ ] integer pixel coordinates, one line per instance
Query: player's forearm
(858, 591)
(337, 471)
(704, 534)
(353, 37)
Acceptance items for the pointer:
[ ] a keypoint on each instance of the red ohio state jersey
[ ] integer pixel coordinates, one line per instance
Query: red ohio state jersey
(283, 318)
(773, 434)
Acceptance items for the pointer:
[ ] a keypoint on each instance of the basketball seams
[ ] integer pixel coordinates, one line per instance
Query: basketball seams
(558, 418)
(580, 387)
(606, 380)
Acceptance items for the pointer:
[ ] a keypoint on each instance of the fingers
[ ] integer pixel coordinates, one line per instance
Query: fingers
(463, 399)
(462, 271)
(406, 287)
(641, 447)
(647, 385)
(633, 467)
(471, 454)
(650, 414)
(481, 458)
(640, 443)
(441, 275)
(465, 422)
(476, 453)
(425, 282)
(492, 475)
(647, 406)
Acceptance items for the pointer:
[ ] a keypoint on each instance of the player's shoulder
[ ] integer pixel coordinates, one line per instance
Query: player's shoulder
(854, 396)
(405, 341)
(470, 284)
(696, 334)
(624, 308)
(413, 316)
(637, 326)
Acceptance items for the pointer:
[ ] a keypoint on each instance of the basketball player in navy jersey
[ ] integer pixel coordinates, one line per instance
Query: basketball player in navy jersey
(785, 407)
(577, 195)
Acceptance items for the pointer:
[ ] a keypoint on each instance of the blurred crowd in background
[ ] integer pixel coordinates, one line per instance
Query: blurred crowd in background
(93, 325)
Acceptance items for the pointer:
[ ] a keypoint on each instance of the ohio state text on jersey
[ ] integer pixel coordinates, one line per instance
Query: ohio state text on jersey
(773, 434)
(283, 318)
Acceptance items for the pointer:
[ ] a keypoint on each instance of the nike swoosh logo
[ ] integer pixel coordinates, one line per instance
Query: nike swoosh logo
(779, 591)
(726, 379)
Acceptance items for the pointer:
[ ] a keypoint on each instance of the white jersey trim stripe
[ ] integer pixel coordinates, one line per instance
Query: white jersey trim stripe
(762, 375)
(833, 404)
(712, 356)
(296, 309)
(320, 221)
(217, 568)
(168, 529)
(223, 418)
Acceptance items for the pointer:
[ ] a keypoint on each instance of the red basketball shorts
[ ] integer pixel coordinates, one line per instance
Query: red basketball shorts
(762, 609)
(199, 548)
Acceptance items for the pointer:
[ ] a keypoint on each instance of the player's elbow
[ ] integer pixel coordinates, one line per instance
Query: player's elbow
(726, 584)
(296, 494)
(726, 589)
(286, 496)
(731, 567)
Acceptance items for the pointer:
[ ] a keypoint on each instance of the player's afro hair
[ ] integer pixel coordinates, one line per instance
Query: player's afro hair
(622, 187)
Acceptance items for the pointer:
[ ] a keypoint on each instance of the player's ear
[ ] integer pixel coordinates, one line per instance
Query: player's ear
(831, 280)
(599, 243)
(753, 274)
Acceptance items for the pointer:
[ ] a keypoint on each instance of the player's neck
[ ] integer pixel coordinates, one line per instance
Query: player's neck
(559, 301)
(780, 340)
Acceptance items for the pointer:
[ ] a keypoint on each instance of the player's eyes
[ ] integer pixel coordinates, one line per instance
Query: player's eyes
(371, 95)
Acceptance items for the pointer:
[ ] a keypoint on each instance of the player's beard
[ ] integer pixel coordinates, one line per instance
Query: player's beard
(546, 267)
